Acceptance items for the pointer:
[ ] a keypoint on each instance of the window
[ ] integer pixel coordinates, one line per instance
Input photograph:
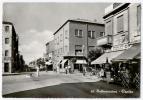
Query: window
(55, 41)
(78, 49)
(120, 24)
(139, 20)
(58, 41)
(6, 28)
(108, 27)
(66, 34)
(61, 37)
(6, 52)
(78, 33)
(102, 34)
(6, 40)
(91, 34)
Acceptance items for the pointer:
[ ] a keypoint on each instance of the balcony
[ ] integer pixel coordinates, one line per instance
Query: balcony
(105, 41)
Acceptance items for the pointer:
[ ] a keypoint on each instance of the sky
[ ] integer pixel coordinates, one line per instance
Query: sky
(35, 23)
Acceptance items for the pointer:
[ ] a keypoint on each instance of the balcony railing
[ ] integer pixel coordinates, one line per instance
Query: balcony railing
(106, 40)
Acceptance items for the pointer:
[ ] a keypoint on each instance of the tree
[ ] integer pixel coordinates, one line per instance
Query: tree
(40, 61)
(95, 53)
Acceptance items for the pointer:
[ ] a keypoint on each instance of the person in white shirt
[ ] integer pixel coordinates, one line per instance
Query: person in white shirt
(38, 69)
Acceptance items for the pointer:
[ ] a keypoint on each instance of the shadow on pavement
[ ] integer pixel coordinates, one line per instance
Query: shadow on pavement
(78, 90)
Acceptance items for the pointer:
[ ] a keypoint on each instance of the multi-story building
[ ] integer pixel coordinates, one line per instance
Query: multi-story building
(74, 39)
(49, 56)
(10, 54)
(123, 27)
(49, 50)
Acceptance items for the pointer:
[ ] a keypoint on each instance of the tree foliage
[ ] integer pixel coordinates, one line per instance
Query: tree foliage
(95, 53)
(40, 61)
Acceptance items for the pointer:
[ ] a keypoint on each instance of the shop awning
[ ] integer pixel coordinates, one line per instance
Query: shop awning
(63, 61)
(129, 54)
(81, 62)
(108, 55)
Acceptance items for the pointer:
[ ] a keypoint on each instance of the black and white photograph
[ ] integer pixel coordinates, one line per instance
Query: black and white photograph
(71, 49)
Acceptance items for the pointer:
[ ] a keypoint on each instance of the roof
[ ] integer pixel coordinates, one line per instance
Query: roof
(49, 42)
(119, 8)
(10, 23)
(79, 21)
(5, 22)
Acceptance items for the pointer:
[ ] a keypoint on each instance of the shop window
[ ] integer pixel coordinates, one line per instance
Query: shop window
(6, 67)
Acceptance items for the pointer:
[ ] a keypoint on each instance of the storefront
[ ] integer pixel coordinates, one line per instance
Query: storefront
(123, 65)
(129, 66)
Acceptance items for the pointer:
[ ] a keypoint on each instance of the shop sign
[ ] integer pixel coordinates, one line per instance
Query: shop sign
(7, 58)
(120, 47)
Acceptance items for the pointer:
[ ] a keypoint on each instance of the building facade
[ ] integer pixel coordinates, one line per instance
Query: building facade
(74, 39)
(123, 26)
(10, 54)
(49, 50)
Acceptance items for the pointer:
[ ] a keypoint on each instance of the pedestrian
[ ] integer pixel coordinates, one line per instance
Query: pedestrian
(69, 69)
(102, 73)
(66, 69)
(84, 70)
(38, 71)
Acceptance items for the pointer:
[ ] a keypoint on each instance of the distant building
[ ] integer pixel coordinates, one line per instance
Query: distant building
(10, 54)
(50, 50)
(74, 39)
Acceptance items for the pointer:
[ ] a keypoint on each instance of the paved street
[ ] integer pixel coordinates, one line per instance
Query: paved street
(16, 83)
(62, 85)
